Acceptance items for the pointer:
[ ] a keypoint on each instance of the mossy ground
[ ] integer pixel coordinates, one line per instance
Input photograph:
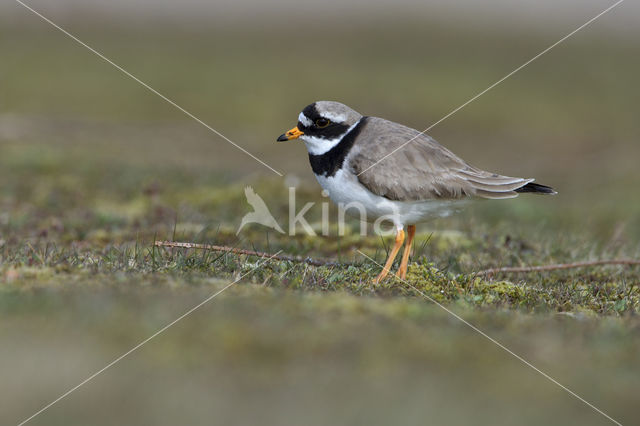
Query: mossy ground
(88, 189)
(81, 232)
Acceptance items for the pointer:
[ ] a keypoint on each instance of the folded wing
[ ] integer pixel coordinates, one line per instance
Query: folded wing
(422, 169)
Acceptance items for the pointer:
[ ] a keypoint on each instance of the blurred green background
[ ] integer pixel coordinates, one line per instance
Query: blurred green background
(569, 119)
(94, 167)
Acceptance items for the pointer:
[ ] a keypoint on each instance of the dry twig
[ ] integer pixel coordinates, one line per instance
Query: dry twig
(558, 266)
(325, 262)
(227, 249)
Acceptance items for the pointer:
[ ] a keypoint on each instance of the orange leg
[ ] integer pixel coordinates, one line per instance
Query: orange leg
(402, 270)
(392, 256)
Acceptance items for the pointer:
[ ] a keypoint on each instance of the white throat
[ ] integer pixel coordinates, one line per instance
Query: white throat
(319, 146)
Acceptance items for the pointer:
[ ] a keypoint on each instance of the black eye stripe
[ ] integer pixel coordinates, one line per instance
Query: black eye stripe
(332, 131)
(302, 127)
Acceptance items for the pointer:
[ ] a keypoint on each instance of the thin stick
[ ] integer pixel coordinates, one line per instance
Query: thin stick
(226, 249)
(325, 262)
(558, 266)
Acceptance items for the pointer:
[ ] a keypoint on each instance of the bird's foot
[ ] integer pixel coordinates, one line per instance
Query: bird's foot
(381, 276)
(402, 272)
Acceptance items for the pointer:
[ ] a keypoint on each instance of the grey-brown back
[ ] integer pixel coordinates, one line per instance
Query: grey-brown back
(422, 169)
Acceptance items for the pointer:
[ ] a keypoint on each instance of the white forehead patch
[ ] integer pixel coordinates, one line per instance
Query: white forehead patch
(304, 120)
(319, 146)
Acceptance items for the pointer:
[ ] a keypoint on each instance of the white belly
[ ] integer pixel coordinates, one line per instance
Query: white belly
(347, 192)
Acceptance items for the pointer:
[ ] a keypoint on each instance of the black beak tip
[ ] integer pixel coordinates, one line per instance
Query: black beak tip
(283, 137)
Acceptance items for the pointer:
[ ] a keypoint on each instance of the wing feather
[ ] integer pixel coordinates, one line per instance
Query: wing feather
(420, 170)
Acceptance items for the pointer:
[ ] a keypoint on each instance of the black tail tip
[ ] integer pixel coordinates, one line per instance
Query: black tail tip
(536, 188)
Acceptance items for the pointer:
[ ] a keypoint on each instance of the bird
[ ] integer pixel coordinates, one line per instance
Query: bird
(260, 213)
(393, 171)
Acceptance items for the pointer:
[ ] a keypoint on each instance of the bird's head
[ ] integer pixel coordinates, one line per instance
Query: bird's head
(322, 125)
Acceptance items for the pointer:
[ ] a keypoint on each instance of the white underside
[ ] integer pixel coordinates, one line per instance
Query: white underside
(345, 190)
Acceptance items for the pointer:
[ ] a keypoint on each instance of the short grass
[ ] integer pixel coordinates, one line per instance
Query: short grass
(66, 218)
(94, 170)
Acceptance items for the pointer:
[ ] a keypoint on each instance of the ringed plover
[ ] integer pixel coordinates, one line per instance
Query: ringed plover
(419, 181)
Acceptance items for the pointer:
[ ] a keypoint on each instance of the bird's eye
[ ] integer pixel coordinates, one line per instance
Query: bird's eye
(322, 122)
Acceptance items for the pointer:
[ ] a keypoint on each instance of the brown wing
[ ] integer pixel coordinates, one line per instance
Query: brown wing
(422, 169)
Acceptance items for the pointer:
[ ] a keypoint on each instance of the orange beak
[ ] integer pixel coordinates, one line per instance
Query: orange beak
(294, 133)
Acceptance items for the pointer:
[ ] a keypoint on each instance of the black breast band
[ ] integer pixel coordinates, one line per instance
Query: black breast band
(330, 162)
